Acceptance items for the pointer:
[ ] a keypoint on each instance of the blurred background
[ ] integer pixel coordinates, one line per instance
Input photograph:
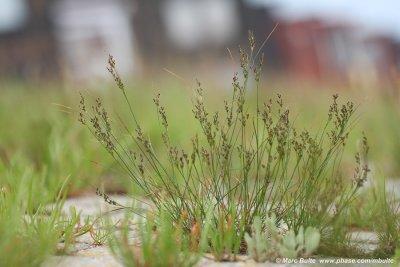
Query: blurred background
(50, 49)
(341, 41)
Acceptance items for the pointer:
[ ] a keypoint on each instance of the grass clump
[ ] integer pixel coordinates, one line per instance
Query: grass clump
(247, 161)
(388, 226)
(29, 230)
(160, 242)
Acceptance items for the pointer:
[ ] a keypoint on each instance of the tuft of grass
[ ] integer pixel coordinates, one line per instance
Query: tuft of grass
(226, 237)
(29, 230)
(159, 242)
(246, 161)
(388, 226)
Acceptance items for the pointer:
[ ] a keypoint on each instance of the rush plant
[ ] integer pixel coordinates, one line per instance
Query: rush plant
(247, 160)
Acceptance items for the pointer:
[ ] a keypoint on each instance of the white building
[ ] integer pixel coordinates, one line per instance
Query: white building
(193, 24)
(88, 31)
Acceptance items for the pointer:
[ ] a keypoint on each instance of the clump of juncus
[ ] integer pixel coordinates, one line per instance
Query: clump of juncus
(247, 160)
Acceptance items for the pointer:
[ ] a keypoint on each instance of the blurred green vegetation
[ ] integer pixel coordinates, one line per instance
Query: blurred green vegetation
(39, 127)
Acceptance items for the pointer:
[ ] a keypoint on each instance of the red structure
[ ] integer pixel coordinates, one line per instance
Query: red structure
(314, 50)
(296, 41)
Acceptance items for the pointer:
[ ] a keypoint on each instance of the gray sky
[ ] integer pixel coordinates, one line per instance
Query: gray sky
(12, 13)
(380, 15)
